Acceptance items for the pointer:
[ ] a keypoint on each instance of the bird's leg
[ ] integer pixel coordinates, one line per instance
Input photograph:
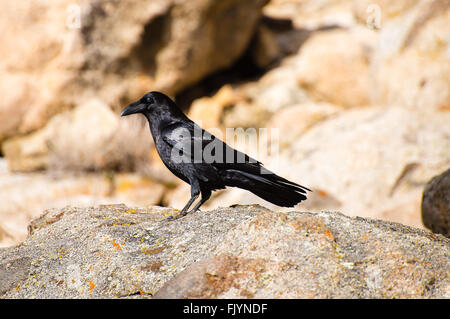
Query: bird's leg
(189, 203)
(205, 196)
(195, 191)
(184, 211)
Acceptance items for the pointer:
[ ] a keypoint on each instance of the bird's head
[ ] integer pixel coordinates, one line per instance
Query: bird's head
(144, 105)
(155, 106)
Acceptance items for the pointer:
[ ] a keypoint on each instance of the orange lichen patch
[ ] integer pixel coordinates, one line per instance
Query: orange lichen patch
(329, 234)
(154, 251)
(59, 215)
(322, 193)
(311, 224)
(116, 245)
(124, 210)
(299, 224)
(91, 285)
(266, 218)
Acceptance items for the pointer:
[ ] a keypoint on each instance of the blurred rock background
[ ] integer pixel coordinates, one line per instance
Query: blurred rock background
(358, 91)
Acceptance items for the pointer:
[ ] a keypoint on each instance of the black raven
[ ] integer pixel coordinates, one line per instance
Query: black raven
(204, 161)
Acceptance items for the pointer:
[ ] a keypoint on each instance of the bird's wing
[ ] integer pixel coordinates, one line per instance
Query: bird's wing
(190, 142)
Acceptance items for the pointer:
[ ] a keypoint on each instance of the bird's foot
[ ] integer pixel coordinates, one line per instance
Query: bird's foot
(172, 218)
(180, 215)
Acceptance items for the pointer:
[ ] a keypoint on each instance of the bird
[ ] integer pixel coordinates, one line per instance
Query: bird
(205, 162)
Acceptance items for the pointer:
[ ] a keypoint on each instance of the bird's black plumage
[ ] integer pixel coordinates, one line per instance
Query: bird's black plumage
(204, 161)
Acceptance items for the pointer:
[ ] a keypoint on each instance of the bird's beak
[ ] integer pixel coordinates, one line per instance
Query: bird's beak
(133, 108)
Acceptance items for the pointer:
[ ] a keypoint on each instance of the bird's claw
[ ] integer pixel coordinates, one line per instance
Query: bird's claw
(181, 214)
(172, 218)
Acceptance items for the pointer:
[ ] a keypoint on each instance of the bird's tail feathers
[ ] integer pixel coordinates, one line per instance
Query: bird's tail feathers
(269, 186)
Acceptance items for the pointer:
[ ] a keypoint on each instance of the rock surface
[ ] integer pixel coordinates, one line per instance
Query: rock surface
(107, 142)
(114, 251)
(411, 62)
(313, 14)
(322, 62)
(55, 56)
(333, 66)
(436, 204)
(24, 197)
(371, 162)
(376, 12)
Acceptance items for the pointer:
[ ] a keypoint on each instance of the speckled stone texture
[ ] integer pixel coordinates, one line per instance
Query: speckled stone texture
(115, 251)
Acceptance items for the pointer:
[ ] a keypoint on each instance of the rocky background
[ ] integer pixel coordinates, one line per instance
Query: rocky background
(359, 91)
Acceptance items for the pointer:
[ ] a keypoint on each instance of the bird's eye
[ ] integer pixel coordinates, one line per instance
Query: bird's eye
(149, 100)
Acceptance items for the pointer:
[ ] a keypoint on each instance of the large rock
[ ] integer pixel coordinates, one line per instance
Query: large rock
(56, 61)
(333, 66)
(204, 36)
(115, 251)
(411, 62)
(406, 63)
(372, 162)
(276, 89)
(374, 13)
(88, 137)
(330, 66)
(25, 196)
(109, 251)
(312, 14)
(208, 112)
(293, 121)
(436, 204)
(56, 55)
